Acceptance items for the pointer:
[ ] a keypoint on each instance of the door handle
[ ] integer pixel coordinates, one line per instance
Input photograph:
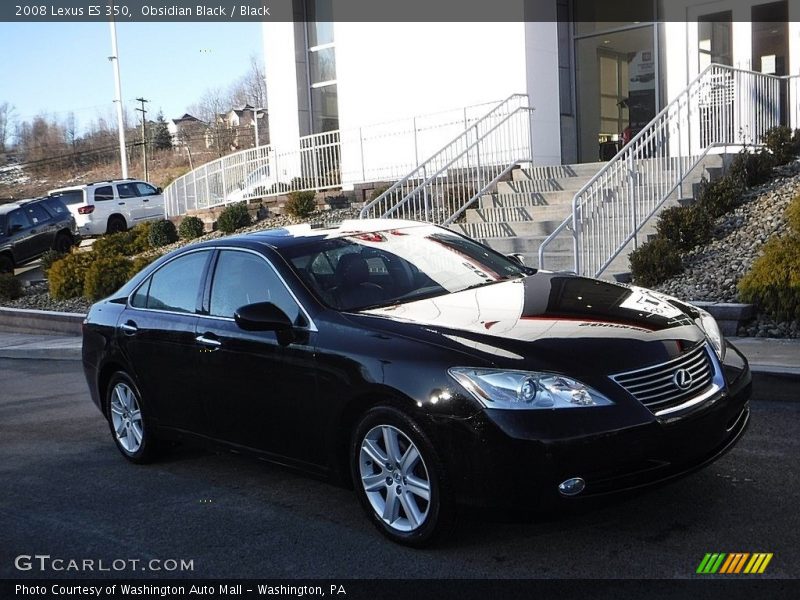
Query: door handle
(129, 328)
(145, 200)
(210, 343)
(122, 204)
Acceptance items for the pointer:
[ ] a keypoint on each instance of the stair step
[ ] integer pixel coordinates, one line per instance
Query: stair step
(518, 213)
(557, 171)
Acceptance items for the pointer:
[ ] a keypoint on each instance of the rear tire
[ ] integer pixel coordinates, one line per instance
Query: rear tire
(399, 478)
(129, 423)
(116, 224)
(6, 264)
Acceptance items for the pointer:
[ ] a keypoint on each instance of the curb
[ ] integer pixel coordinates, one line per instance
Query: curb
(19, 320)
(41, 353)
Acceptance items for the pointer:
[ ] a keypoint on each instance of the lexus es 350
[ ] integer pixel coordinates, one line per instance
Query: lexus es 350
(416, 364)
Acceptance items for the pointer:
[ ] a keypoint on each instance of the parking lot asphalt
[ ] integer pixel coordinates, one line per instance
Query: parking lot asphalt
(67, 493)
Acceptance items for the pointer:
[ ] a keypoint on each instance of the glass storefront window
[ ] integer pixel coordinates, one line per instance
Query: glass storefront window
(324, 108)
(714, 39)
(616, 89)
(322, 65)
(592, 16)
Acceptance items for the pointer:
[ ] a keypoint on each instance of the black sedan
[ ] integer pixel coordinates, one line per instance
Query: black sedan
(424, 369)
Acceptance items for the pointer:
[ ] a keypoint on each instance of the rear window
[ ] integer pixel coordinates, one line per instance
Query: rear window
(69, 197)
(54, 206)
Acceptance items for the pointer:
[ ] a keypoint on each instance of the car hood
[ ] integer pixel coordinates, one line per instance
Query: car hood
(551, 320)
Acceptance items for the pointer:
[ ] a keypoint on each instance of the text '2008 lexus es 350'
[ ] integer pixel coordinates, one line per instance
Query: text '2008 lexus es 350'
(422, 367)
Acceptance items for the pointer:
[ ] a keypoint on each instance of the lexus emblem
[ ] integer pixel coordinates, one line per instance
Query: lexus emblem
(682, 379)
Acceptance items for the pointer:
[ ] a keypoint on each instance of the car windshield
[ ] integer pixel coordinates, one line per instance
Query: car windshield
(384, 268)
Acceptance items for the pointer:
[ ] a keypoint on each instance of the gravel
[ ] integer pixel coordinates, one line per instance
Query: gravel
(712, 272)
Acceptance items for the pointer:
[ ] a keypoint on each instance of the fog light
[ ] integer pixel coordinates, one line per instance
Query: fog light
(571, 487)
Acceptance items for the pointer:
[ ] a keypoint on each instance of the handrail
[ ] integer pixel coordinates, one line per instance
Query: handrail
(612, 207)
(421, 172)
(454, 161)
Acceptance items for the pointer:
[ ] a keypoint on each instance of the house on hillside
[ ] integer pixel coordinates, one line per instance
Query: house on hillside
(185, 130)
(242, 125)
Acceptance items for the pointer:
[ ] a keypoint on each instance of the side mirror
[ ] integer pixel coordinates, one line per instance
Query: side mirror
(262, 316)
(159, 190)
(517, 258)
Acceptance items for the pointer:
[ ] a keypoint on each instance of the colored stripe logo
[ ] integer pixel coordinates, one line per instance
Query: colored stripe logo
(734, 563)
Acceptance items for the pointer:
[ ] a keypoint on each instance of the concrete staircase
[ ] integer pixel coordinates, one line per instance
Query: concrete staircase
(520, 214)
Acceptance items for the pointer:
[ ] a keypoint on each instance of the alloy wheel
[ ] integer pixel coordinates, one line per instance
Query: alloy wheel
(126, 418)
(395, 478)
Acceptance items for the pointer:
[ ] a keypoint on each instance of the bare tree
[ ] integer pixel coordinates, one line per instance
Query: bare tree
(251, 87)
(212, 109)
(6, 118)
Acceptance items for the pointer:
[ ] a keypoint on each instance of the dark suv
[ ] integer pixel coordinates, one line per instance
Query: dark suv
(31, 227)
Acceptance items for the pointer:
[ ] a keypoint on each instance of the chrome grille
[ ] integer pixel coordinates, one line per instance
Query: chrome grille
(656, 387)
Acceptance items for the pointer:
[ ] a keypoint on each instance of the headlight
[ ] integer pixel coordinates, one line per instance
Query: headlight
(709, 326)
(496, 388)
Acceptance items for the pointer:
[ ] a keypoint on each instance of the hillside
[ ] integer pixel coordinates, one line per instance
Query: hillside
(17, 182)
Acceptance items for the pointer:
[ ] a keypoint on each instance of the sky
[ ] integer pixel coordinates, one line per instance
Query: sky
(56, 68)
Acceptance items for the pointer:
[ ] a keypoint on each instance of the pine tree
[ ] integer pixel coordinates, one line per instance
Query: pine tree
(162, 139)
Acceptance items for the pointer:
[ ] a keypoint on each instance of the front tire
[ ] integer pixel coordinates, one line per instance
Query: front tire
(400, 479)
(63, 243)
(129, 425)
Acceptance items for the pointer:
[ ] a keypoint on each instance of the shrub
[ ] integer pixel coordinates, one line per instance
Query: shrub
(191, 228)
(233, 217)
(780, 141)
(719, 197)
(655, 261)
(162, 233)
(10, 287)
(140, 262)
(685, 227)
(301, 204)
(793, 214)
(125, 243)
(773, 282)
(48, 258)
(105, 275)
(751, 168)
(66, 276)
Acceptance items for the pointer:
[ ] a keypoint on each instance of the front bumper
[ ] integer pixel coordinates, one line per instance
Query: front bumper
(506, 459)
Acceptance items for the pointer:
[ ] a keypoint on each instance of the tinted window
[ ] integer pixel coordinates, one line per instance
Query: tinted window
(145, 189)
(70, 196)
(175, 286)
(103, 193)
(36, 214)
(126, 190)
(242, 278)
(54, 206)
(17, 219)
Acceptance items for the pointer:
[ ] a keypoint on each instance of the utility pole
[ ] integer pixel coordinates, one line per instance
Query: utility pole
(255, 124)
(144, 134)
(114, 58)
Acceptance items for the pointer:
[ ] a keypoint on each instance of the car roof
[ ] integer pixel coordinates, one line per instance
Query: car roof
(300, 235)
(83, 186)
(9, 206)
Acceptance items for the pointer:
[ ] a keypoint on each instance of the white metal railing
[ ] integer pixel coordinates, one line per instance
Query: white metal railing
(450, 180)
(722, 107)
(379, 152)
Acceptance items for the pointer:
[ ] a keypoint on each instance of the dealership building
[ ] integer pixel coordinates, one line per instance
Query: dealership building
(588, 79)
